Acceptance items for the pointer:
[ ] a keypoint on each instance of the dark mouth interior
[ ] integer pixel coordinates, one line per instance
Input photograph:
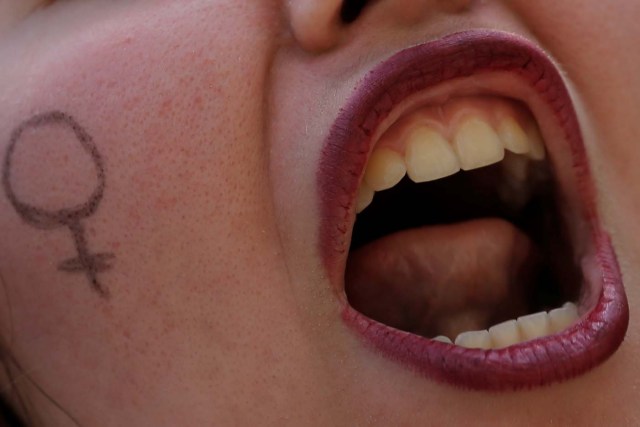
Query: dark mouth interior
(464, 196)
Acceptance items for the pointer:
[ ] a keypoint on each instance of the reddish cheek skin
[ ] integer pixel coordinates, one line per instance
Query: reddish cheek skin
(163, 142)
(185, 209)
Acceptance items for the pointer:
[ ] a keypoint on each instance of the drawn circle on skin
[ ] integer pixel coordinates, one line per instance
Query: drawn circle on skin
(47, 219)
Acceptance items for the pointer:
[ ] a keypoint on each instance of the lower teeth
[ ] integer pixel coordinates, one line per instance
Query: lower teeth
(511, 332)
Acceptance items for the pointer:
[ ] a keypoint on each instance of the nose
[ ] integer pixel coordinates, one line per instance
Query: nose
(322, 25)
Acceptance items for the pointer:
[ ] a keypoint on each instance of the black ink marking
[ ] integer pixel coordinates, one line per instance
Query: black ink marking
(90, 264)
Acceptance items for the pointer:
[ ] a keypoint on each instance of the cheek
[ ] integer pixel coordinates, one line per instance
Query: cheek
(176, 113)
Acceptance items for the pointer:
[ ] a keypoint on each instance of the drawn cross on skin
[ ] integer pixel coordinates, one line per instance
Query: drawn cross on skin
(89, 263)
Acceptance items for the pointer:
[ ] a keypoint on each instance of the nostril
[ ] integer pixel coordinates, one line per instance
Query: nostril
(351, 10)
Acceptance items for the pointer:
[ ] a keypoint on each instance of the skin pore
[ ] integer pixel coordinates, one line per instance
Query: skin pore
(210, 117)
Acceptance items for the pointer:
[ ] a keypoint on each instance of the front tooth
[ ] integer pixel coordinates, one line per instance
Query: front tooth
(365, 196)
(534, 325)
(561, 318)
(536, 152)
(474, 339)
(429, 156)
(505, 334)
(477, 144)
(442, 338)
(384, 170)
(513, 136)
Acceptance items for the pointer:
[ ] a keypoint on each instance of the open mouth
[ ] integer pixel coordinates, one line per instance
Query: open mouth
(478, 243)
(476, 256)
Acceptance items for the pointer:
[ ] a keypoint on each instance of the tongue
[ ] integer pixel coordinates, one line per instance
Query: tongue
(444, 279)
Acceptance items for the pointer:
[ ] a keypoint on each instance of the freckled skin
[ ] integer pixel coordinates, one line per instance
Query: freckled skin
(210, 118)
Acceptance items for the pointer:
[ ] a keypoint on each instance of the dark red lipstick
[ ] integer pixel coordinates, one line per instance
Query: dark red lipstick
(604, 311)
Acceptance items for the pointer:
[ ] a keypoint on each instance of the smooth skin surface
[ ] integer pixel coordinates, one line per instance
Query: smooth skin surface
(210, 116)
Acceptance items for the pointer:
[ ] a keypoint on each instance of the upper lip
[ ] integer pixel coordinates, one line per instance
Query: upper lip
(586, 344)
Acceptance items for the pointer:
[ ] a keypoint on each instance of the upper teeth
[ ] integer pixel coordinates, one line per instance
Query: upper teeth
(477, 144)
(385, 169)
(429, 156)
(437, 142)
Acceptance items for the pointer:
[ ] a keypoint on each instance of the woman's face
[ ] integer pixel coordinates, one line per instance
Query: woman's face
(188, 282)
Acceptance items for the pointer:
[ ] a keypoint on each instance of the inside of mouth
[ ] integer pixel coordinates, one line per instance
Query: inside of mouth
(480, 257)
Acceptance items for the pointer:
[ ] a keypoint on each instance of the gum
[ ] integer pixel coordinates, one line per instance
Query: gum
(446, 117)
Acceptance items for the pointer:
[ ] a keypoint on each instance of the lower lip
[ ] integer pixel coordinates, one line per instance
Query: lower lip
(554, 358)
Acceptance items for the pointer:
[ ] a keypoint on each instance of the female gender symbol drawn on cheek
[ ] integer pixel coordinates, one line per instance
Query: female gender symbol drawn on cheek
(71, 217)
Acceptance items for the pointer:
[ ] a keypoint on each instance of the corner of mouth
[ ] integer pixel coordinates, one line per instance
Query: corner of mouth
(374, 107)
